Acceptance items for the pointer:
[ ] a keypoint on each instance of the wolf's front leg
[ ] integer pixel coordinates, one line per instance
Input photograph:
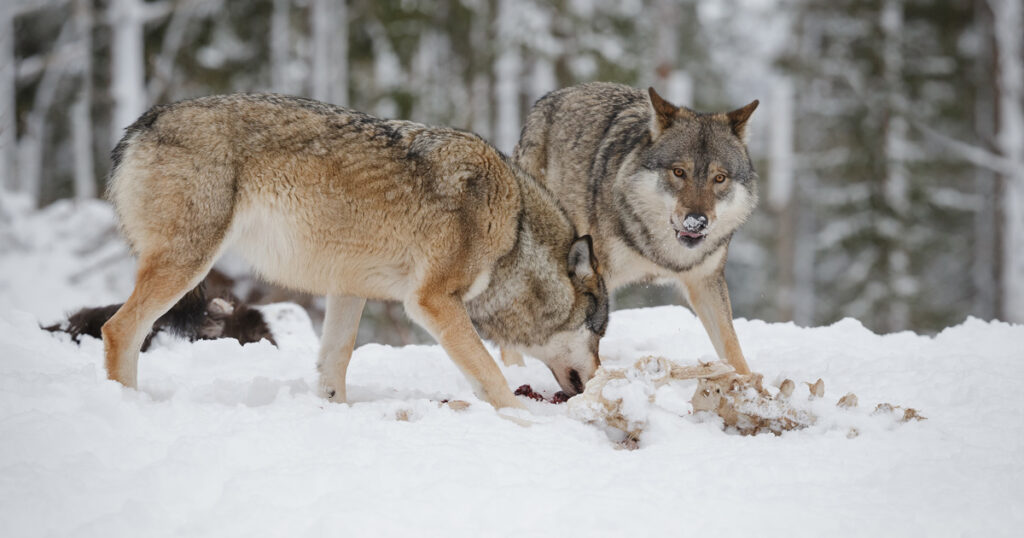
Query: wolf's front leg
(709, 297)
(445, 318)
(341, 324)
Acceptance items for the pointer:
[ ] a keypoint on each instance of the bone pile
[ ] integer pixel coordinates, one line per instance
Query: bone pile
(620, 400)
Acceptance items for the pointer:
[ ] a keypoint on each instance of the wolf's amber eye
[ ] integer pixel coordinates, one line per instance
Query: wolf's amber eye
(720, 178)
(679, 172)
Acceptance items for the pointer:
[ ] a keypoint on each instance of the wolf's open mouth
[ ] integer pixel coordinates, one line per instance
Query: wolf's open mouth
(690, 239)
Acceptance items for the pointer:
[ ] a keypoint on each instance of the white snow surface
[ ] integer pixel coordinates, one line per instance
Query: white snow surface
(230, 440)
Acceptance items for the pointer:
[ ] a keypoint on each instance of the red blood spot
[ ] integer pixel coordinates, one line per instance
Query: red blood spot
(526, 390)
(560, 397)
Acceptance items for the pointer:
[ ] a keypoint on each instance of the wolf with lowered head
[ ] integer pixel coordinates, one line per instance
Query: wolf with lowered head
(331, 201)
(660, 188)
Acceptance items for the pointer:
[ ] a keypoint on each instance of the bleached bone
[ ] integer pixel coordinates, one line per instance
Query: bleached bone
(786, 388)
(744, 404)
(221, 307)
(817, 388)
(606, 399)
(850, 400)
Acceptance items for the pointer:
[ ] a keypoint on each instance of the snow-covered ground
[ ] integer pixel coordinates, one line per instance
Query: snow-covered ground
(230, 440)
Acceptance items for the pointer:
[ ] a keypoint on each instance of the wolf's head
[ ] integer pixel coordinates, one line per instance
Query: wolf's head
(695, 174)
(579, 297)
(547, 297)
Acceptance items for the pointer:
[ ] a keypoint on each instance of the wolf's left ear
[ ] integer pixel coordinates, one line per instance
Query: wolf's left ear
(738, 119)
(582, 262)
(662, 112)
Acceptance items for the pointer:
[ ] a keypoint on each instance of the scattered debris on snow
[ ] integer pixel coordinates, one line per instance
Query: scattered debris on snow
(621, 399)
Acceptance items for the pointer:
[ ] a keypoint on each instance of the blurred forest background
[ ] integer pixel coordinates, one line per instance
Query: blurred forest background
(890, 137)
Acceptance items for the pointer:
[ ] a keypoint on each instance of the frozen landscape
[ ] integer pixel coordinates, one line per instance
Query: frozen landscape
(230, 440)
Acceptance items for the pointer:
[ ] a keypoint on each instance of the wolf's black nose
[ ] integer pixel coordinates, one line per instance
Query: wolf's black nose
(695, 222)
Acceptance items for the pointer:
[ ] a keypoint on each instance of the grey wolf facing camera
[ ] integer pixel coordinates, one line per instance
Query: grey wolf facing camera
(660, 188)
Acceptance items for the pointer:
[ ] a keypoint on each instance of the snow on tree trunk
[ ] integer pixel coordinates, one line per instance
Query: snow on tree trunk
(8, 122)
(31, 144)
(984, 274)
(280, 45)
(81, 117)
(674, 84)
(340, 91)
(895, 186)
(508, 74)
(1009, 20)
(127, 85)
(329, 20)
(780, 194)
(480, 84)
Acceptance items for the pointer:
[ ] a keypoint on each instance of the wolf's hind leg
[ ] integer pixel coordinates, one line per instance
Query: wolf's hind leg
(511, 357)
(445, 318)
(161, 282)
(341, 324)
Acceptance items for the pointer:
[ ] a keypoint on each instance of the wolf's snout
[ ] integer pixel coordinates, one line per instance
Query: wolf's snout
(692, 229)
(695, 222)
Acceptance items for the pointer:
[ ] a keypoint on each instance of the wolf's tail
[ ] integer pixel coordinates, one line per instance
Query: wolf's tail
(185, 319)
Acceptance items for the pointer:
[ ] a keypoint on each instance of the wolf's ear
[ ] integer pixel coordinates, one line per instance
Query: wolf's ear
(662, 113)
(738, 119)
(582, 262)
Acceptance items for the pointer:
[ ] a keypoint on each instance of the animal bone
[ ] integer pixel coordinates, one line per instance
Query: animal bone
(620, 398)
(743, 403)
(817, 388)
(850, 400)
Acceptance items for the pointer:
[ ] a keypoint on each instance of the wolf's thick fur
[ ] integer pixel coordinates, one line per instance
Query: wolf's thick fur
(660, 188)
(332, 201)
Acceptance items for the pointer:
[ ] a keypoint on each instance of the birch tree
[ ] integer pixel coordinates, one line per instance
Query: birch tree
(1009, 20)
(781, 194)
(81, 109)
(128, 71)
(896, 182)
(329, 71)
(8, 77)
(280, 47)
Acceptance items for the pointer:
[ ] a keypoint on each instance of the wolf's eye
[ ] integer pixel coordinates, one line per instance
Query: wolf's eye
(679, 172)
(719, 178)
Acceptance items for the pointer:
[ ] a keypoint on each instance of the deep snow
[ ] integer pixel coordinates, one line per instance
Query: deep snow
(230, 440)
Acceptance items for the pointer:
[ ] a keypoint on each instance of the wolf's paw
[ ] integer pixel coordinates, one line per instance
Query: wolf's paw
(328, 392)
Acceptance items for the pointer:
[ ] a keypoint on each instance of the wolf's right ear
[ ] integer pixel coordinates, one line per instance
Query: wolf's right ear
(582, 262)
(738, 119)
(662, 113)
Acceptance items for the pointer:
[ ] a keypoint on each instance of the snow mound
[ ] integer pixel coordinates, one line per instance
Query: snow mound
(225, 439)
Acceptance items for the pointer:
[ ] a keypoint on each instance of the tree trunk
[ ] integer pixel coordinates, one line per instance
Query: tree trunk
(31, 144)
(127, 80)
(8, 109)
(81, 113)
(896, 179)
(329, 20)
(984, 274)
(1009, 20)
(280, 47)
(508, 75)
(780, 196)
(673, 83)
